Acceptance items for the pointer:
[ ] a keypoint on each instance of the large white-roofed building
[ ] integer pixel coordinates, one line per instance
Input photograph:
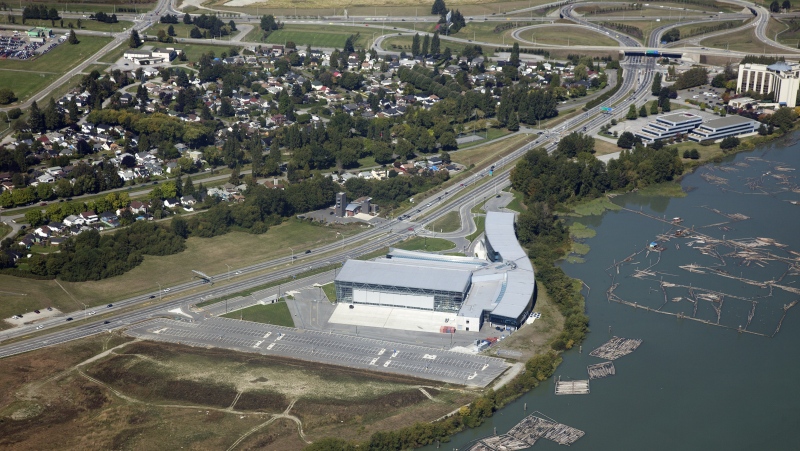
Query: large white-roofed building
(497, 285)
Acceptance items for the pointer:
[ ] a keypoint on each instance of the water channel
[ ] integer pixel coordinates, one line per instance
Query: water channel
(689, 385)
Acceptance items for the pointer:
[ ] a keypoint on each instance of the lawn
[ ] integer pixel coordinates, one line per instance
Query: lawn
(562, 34)
(30, 76)
(195, 51)
(332, 36)
(602, 147)
(86, 24)
(330, 291)
(277, 314)
(489, 152)
(688, 31)
(401, 43)
(516, 204)
(375, 8)
(480, 222)
(450, 222)
(181, 30)
(421, 243)
(208, 255)
(742, 41)
(492, 134)
(89, 6)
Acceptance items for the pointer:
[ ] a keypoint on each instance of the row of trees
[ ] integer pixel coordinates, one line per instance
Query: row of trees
(425, 45)
(40, 12)
(105, 18)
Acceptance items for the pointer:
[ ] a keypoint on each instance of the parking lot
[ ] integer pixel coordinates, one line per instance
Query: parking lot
(18, 46)
(326, 347)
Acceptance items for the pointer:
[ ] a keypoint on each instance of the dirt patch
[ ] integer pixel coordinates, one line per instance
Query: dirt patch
(281, 435)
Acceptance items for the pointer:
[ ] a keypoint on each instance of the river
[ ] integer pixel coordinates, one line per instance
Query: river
(690, 385)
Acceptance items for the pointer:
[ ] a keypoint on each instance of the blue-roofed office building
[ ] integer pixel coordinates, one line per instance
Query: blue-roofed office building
(496, 285)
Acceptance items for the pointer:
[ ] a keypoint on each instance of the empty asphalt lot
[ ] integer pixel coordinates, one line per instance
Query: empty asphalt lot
(325, 347)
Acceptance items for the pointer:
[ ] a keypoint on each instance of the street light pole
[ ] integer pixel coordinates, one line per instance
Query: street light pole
(159, 291)
(292, 253)
(229, 271)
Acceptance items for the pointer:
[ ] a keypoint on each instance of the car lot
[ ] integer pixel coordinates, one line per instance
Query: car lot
(326, 347)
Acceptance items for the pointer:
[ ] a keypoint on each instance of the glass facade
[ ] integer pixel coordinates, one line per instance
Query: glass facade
(443, 301)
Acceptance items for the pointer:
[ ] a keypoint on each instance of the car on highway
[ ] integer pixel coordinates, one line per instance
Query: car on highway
(110, 305)
(308, 251)
(152, 296)
(39, 327)
(92, 313)
(166, 290)
(106, 322)
(37, 312)
(69, 319)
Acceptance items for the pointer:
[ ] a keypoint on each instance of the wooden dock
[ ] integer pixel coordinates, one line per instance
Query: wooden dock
(525, 434)
(616, 348)
(601, 370)
(572, 387)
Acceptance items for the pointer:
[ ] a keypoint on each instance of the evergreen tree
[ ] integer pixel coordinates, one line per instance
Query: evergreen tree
(656, 87)
(226, 109)
(435, 44)
(438, 7)
(188, 187)
(72, 109)
(415, 44)
(72, 39)
(643, 111)
(654, 107)
(134, 41)
(171, 30)
(53, 117)
(513, 122)
(187, 19)
(665, 106)
(514, 59)
(36, 119)
(631, 112)
(426, 43)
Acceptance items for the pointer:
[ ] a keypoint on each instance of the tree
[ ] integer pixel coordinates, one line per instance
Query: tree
(171, 30)
(438, 8)
(36, 119)
(72, 39)
(514, 58)
(671, 35)
(631, 112)
(654, 107)
(426, 44)
(643, 111)
(415, 45)
(625, 140)
(694, 154)
(787, 5)
(7, 96)
(775, 6)
(513, 122)
(226, 109)
(187, 19)
(575, 143)
(195, 33)
(134, 41)
(666, 107)
(729, 143)
(656, 87)
(435, 44)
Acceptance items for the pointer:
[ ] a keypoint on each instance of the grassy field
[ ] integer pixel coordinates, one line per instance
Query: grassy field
(483, 154)
(492, 134)
(374, 8)
(421, 243)
(450, 222)
(742, 41)
(566, 35)
(516, 204)
(480, 222)
(86, 24)
(154, 384)
(203, 254)
(30, 76)
(403, 43)
(330, 291)
(181, 30)
(277, 314)
(195, 51)
(688, 31)
(333, 36)
(89, 6)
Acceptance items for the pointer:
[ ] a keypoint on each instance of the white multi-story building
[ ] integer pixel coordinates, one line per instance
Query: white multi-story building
(668, 126)
(724, 127)
(781, 78)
